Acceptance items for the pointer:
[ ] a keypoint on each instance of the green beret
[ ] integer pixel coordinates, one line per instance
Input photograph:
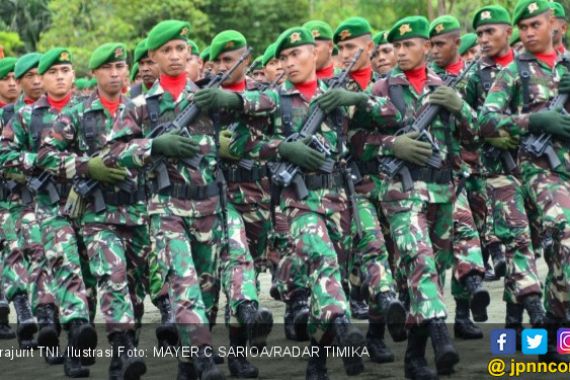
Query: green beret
(491, 14)
(380, 38)
(228, 40)
(293, 37)
(268, 54)
(193, 48)
(25, 63)
(558, 10)
(409, 27)
(351, 28)
(134, 71)
(205, 55)
(529, 8)
(7, 66)
(319, 29)
(257, 63)
(91, 83)
(140, 51)
(442, 25)
(166, 31)
(52, 57)
(106, 53)
(467, 42)
(515, 37)
(81, 83)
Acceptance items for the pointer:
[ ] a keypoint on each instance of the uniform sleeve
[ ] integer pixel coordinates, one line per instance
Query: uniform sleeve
(14, 145)
(259, 103)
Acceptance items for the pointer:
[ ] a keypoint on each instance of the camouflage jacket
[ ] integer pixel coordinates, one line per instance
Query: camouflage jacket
(130, 147)
(377, 140)
(503, 108)
(68, 147)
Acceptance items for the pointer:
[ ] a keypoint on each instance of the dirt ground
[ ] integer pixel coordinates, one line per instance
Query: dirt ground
(473, 365)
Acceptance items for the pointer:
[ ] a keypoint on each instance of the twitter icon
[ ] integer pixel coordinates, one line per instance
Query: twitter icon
(534, 341)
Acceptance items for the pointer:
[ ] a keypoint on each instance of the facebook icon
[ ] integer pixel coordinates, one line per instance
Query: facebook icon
(503, 342)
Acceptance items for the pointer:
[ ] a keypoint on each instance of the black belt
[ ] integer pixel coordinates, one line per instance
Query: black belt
(121, 198)
(186, 192)
(323, 181)
(430, 175)
(239, 174)
(368, 167)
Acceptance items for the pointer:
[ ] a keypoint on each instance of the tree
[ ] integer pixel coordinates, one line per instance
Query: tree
(10, 43)
(28, 18)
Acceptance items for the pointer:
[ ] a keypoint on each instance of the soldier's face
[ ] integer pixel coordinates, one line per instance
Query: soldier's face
(494, 39)
(148, 70)
(347, 49)
(411, 53)
(110, 77)
(171, 57)
(58, 80)
(9, 89)
(560, 28)
(444, 49)
(536, 33)
(226, 60)
(299, 63)
(193, 67)
(385, 58)
(324, 53)
(31, 83)
(259, 75)
(273, 70)
(470, 54)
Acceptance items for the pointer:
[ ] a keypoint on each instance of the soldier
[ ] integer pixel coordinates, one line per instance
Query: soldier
(20, 143)
(116, 238)
(186, 214)
(518, 107)
(207, 64)
(468, 268)
(256, 70)
(515, 41)
(383, 58)
(194, 64)
(272, 66)
(323, 35)
(469, 48)
(135, 76)
(560, 26)
(147, 68)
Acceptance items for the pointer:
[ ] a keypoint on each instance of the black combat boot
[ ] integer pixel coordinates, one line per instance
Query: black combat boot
(81, 335)
(205, 367)
(166, 332)
(132, 366)
(317, 365)
(258, 322)
(6, 331)
(297, 316)
(445, 354)
(479, 297)
(238, 364)
(48, 335)
(464, 328)
(379, 352)
(351, 338)
(394, 315)
(27, 324)
(358, 306)
(514, 319)
(533, 306)
(499, 264)
(415, 363)
(186, 371)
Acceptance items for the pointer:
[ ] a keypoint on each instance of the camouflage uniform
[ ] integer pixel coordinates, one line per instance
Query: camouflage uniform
(20, 143)
(117, 239)
(545, 188)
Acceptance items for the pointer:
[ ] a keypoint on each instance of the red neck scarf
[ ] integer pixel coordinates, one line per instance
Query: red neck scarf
(455, 68)
(417, 78)
(307, 89)
(2, 104)
(28, 100)
(505, 59)
(110, 105)
(235, 87)
(59, 104)
(173, 85)
(561, 48)
(362, 76)
(326, 72)
(548, 58)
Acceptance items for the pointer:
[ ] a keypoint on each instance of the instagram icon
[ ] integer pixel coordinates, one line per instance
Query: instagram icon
(563, 341)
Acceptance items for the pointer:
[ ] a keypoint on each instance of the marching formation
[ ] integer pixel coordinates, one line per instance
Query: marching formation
(357, 167)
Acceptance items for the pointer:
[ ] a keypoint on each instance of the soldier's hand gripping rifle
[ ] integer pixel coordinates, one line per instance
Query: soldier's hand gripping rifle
(393, 166)
(285, 173)
(179, 124)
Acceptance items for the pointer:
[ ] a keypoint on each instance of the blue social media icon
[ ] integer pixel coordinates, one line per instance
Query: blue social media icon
(534, 341)
(503, 342)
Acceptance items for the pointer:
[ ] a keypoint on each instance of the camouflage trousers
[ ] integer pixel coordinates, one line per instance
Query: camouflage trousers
(481, 208)
(186, 251)
(15, 278)
(467, 256)
(549, 193)
(421, 232)
(62, 257)
(118, 261)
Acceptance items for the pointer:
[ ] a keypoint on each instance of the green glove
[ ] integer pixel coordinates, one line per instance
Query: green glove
(446, 97)
(552, 122)
(173, 145)
(339, 97)
(215, 98)
(97, 170)
(407, 148)
(299, 153)
(564, 85)
(504, 141)
(225, 140)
